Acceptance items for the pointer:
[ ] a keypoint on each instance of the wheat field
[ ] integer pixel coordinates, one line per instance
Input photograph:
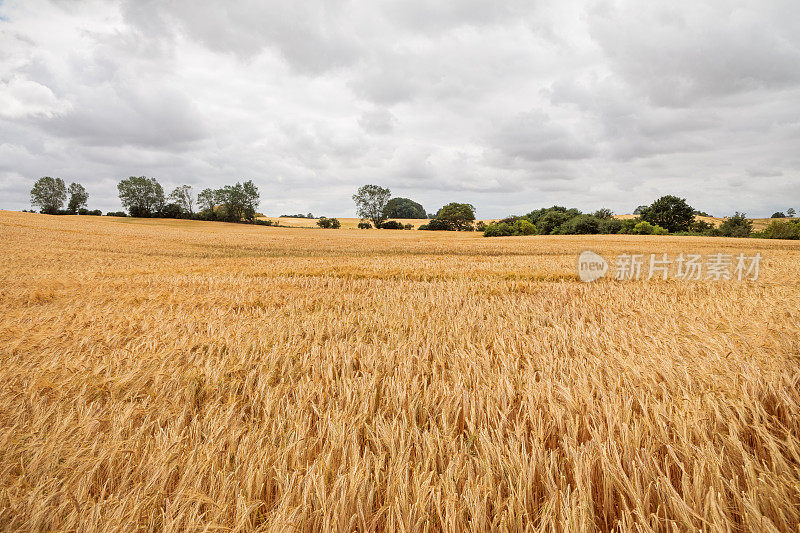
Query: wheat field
(189, 376)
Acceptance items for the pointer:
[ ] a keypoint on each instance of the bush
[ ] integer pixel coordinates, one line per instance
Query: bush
(364, 225)
(645, 228)
(92, 212)
(505, 229)
(782, 229)
(116, 214)
(408, 226)
(438, 225)
(329, 223)
(699, 227)
(392, 224)
(480, 226)
(736, 226)
(498, 229)
(259, 222)
(778, 215)
(610, 226)
(580, 225)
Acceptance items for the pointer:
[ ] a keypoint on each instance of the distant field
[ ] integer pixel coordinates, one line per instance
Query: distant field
(166, 375)
(758, 223)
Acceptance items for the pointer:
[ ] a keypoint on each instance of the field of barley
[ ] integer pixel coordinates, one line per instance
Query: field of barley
(162, 375)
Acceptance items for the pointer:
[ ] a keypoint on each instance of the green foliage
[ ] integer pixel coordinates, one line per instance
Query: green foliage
(669, 212)
(639, 210)
(116, 214)
(392, 224)
(183, 198)
(783, 229)
(141, 196)
(510, 227)
(371, 202)
(403, 208)
(77, 197)
(452, 217)
(93, 212)
(610, 226)
(49, 194)
(700, 227)
(364, 225)
(237, 202)
(736, 226)
(778, 214)
(604, 214)
(550, 221)
(300, 215)
(646, 228)
(438, 225)
(207, 200)
(329, 223)
(790, 212)
(580, 225)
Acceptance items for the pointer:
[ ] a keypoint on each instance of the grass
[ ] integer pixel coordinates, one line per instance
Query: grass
(178, 375)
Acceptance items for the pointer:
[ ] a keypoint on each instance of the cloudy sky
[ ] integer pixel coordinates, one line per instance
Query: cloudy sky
(509, 105)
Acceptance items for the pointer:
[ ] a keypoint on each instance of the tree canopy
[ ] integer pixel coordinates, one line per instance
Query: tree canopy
(77, 197)
(403, 208)
(49, 194)
(371, 202)
(669, 212)
(141, 196)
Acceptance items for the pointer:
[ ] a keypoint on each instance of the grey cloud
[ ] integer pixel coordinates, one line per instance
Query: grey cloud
(533, 136)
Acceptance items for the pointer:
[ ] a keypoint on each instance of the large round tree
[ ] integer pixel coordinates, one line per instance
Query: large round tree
(404, 208)
(670, 212)
(49, 194)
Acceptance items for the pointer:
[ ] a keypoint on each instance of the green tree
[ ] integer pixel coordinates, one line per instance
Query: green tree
(403, 208)
(604, 214)
(778, 214)
(49, 194)
(182, 197)
(141, 196)
(790, 212)
(736, 226)
(371, 202)
(207, 199)
(239, 201)
(670, 212)
(460, 216)
(77, 197)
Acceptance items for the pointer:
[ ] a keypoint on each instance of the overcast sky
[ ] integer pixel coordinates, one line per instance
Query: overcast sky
(509, 105)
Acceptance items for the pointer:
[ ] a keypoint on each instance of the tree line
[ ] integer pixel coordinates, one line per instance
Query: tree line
(144, 197)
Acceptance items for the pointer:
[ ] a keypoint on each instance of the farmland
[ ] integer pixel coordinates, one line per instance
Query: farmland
(183, 375)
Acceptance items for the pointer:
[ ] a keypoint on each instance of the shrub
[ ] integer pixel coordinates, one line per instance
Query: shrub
(116, 214)
(580, 225)
(408, 226)
(392, 224)
(610, 226)
(524, 227)
(645, 228)
(782, 229)
(498, 229)
(364, 225)
(329, 223)
(736, 226)
(778, 214)
(480, 226)
(438, 225)
(699, 227)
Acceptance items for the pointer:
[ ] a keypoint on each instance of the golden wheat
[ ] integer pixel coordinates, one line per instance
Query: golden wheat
(175, 375)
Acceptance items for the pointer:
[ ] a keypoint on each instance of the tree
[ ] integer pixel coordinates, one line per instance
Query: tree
(736, 226)
(790, 212)
(669, 212)
(49, 194)
(182, 196)
(141, 196)
(370, 202)
(207, 199)
(239, 201)
(604, 214)
(639, 210)
(403, 208)
(77, 197)
(778, 214)
(460, 216)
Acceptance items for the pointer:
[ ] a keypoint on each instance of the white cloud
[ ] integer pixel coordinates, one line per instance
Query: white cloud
(510, 105)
